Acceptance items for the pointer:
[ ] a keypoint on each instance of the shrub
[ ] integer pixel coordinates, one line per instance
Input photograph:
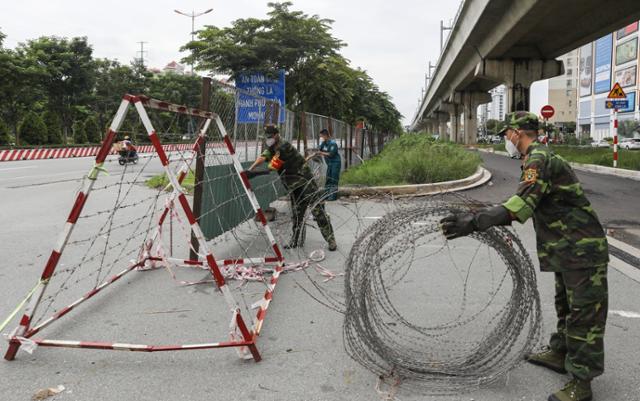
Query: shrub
(79, 134)
(32, 130)
(5, 137)
(54, 127)
(91, 130)
(414, 159)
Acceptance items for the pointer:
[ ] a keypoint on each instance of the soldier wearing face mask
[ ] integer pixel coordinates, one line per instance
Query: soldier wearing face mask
(296, 176)
(571, 243)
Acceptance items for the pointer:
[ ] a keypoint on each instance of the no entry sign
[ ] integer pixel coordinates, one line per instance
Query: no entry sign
(547, 111)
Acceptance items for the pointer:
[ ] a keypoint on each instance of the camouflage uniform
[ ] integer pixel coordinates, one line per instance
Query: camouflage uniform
(296, 176)
(571, 243)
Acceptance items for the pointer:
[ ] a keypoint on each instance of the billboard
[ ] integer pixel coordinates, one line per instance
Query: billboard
(604, 51)
(586, 69)
(627, 51)
(627, 76)
(627, 30)
(271, 100)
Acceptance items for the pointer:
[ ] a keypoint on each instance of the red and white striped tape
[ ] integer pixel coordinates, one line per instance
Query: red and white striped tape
(10, 155)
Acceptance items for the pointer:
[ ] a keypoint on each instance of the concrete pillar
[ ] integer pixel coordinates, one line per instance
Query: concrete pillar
(456, 123)
(442, 125)
(471, 102)
(518, 75)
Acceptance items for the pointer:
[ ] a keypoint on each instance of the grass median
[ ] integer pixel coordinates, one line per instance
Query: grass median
(414, 159)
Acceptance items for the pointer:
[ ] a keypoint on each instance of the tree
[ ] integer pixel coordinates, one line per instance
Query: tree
(5, 137)
(286, 40)
(494, 126)
(32, 130)
(66, 72)
(54, 127)
(91, 130)
(319, 79)
(20, 89)
(79, 134)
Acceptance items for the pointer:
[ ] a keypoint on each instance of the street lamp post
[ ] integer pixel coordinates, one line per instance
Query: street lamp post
(442, 29)
(193, 16)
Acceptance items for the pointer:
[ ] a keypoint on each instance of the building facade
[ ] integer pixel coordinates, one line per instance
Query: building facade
(563, 90)
(610, 59)
(496, 109)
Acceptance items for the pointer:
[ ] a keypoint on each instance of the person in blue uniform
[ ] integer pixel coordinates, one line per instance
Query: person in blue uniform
(329, 150)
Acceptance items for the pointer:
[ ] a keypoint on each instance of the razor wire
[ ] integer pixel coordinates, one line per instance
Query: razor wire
(475, 346)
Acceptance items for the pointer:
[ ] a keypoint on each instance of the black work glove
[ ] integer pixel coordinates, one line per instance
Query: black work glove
(458, 225)
(251, 174)
(462, 224)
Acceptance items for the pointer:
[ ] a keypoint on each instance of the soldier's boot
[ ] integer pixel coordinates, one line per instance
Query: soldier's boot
(332, 245)
(291, 245)
(549, 359)
(575, 390)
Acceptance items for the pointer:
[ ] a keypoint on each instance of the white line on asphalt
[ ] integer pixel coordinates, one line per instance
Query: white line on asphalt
(624, 246)
(44, 175)
(17, 168)
(623, 313)
(625, 268)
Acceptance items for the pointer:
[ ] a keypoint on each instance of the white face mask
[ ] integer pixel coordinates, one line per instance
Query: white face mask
(270, 142)
(512, 149)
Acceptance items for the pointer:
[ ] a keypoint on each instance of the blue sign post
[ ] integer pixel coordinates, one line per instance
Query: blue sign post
(620, 105)
(252, 109)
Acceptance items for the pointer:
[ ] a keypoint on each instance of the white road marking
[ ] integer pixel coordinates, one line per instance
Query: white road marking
(625, 268)
(624, 246)
(623, 313)
(45, 175)
(17, 168)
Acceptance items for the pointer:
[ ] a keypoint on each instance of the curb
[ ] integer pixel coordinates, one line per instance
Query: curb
(480, 177)
(589, 168)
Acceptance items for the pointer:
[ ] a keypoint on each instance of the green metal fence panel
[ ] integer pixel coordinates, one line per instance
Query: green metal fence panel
(225, 204)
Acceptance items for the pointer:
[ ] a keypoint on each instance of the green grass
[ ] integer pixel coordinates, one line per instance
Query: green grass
(161, 181)
(627, 159)
(414, 159)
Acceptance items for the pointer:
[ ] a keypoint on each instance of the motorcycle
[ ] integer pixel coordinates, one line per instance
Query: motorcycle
(128, 157)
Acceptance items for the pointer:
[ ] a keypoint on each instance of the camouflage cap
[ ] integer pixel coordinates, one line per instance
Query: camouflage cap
(270, 130)
(524, 120)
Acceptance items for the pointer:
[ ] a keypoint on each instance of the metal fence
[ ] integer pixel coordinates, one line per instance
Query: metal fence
(224, 204)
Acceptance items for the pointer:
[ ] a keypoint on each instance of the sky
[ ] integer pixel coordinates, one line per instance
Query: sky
(392, 40)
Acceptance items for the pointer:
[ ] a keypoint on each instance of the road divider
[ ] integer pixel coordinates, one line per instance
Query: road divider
(480, 177)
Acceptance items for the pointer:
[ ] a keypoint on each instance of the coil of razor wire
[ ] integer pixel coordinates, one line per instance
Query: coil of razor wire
(433, 359)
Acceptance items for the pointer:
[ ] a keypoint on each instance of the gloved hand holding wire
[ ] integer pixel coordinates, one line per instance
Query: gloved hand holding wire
(463, 224)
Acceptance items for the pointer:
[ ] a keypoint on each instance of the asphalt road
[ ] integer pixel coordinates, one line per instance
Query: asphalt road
(301, 342)
(615, 199)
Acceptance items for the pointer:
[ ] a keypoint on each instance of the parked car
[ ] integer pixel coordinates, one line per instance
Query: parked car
(600, 144)
(630, 143)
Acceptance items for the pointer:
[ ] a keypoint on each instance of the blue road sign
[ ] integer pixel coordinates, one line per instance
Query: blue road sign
(253, 109)
(621, 104)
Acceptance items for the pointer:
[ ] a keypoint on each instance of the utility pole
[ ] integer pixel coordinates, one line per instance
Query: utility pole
(442, 29)
(142, 52)
(193, 17)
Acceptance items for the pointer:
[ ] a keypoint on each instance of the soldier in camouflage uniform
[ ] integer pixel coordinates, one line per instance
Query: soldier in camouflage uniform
(571, 243)
(296, 176)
